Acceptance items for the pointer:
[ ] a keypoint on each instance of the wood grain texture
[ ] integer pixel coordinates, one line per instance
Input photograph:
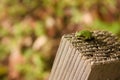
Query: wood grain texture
(93, 60)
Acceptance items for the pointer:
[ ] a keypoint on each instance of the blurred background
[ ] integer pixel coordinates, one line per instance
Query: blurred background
(30, 31)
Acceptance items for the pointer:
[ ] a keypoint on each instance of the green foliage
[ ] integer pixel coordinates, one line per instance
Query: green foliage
(39, 29)
(3, 32)
(113, 27)
(22, 29)
(17, 10)
(77, 16)
(4, 51)
(3, 70)
(33, 67)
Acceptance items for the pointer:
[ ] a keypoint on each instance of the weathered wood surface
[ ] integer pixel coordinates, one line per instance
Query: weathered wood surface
(71, 64)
